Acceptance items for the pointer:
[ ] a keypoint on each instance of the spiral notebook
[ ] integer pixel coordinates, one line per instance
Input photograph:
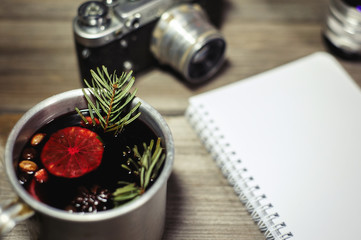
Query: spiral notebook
(289, 141)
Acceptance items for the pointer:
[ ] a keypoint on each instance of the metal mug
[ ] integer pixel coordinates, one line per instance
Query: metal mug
(142, 218)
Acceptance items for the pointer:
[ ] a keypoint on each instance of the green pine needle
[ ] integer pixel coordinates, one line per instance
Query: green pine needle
(112, 97)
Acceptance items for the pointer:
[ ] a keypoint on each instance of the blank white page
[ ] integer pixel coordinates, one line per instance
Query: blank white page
(297, 130)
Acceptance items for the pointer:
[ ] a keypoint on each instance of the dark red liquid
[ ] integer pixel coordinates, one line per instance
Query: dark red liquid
(59, 192)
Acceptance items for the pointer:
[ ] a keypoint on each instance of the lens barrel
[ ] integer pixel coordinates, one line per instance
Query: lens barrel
(184, 39)
(342, 30)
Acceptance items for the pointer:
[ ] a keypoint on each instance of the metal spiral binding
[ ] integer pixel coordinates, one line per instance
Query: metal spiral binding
(250, 205)
(255, 216)
(238, 177)
(265, 220)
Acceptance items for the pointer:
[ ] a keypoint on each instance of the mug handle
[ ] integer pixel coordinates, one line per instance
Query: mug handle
(12, 213)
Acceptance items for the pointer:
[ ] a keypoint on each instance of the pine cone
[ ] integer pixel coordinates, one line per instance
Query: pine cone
(92, 199)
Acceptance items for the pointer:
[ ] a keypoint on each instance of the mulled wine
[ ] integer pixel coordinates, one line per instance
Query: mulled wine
(86, 183)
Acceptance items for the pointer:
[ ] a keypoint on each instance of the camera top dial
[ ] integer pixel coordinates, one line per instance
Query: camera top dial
(93, 14)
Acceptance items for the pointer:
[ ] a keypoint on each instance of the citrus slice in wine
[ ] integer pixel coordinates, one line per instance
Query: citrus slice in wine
(72, 152)
(32, 188)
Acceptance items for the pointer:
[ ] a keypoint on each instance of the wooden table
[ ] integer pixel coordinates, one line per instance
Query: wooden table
(37, 60)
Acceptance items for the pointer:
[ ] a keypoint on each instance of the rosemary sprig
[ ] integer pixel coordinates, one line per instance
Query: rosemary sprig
(145, 167)
(112, 96)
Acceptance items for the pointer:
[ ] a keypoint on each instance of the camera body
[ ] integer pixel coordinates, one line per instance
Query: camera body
(126, 35)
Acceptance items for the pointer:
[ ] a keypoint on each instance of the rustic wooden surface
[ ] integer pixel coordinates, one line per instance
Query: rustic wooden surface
(37, 60)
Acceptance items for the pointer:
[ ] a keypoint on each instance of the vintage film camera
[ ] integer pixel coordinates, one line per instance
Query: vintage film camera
(133, 35)
(342, 31)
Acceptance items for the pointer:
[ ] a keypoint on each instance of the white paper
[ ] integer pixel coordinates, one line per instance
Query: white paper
(297, 130)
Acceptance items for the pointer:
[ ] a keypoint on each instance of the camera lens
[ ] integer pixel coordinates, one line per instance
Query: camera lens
(184, 39)
(353, 3)
(205, 59)
(342, 31)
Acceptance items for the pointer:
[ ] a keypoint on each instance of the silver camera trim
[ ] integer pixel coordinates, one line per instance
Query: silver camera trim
(124, 16)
